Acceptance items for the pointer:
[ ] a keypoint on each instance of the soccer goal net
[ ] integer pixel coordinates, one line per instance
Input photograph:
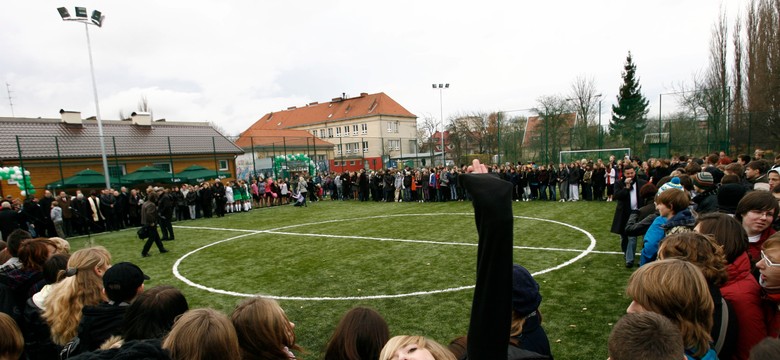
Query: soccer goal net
(567, 156)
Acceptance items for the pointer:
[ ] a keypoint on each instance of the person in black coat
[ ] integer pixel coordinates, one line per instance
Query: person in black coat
(628, 199)
(219, 198)
(9, 220)
(206, 198)
(33, 215)
(108, 209)
(165, 207)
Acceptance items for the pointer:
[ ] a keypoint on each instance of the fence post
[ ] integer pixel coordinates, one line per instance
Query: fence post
(21, 165)
(116, 162)
(170, 158)
(214, 151)
(284, 147)
(254, 166)
(59, 160)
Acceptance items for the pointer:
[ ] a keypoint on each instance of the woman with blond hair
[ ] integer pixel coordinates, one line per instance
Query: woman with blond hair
(705, 253)
(678, 290)
(202, 334)
(264, 331)
(409, 347)
(82, 286)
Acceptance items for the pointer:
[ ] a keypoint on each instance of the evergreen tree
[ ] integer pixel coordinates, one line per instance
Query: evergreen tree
(628, 117)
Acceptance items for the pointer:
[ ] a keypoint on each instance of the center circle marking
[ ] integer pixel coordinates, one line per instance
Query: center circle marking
(278, 231)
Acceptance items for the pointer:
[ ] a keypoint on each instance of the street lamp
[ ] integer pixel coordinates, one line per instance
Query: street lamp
(96, 19)
(441, 88)
(599, 96)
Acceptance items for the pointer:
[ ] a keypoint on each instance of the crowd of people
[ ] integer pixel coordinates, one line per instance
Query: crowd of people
(81, 306)
(707, 287)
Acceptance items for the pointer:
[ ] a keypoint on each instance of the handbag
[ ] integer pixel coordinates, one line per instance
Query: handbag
(143, 232)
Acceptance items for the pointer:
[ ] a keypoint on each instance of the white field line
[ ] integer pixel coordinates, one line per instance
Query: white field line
(582, 253)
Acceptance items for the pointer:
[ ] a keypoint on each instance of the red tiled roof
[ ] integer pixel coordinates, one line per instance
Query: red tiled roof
(335, 110)
(535, 126)
(280, 138)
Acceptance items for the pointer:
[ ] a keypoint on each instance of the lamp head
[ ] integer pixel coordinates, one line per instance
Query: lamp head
(64, 14)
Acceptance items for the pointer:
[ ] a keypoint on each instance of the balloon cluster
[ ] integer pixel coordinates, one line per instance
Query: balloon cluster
(21, 176)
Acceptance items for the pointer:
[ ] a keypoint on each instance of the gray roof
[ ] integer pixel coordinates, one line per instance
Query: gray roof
(44, 138)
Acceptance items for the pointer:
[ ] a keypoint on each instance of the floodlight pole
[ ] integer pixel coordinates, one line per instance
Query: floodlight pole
(441, 87)
(88, 22)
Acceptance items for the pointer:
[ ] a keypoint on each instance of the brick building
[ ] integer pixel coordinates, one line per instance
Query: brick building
(344, 134)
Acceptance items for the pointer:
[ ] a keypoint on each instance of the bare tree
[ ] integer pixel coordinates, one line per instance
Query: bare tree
(220, 129)
(760, 122)
(552, 110)
(584, 98)
(143, 104)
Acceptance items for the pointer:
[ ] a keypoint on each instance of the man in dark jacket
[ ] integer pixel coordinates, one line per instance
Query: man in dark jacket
(219, 198)
(8, 220)
(121, 283)
(165, 214)
(45, 204)
(627, 198)
(107, 208)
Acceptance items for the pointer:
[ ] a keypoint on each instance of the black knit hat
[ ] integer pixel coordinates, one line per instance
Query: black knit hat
(525, 291)
(729, 196)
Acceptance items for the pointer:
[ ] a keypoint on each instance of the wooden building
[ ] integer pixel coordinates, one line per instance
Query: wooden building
(54, 149)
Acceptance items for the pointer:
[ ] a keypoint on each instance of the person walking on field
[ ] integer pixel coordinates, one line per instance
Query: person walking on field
(149, 220)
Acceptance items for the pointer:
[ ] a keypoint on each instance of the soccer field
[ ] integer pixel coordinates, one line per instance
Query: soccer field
(414, 263)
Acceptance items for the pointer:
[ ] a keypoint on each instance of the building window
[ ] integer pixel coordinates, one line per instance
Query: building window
(330, 132)
(223, 165)
(364, 129)
(338, 132)
(163, 166)
(346, 130)
(320, 157)
(314, 132)
(322, 133)
(349, 148)
(352, 162)
(354, 130)
(392, 126)
(338, 149)
(116, 171)
(394, 144)
(365, 146)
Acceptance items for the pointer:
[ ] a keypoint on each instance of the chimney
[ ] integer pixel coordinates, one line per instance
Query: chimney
(363, 94)
(141, 118)
(70, 117)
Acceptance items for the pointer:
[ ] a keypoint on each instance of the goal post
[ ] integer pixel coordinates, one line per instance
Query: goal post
(567, 156)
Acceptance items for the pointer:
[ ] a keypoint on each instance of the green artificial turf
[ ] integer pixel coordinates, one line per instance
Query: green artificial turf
(349, 252)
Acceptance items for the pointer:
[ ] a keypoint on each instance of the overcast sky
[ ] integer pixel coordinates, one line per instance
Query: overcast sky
(231, 62)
